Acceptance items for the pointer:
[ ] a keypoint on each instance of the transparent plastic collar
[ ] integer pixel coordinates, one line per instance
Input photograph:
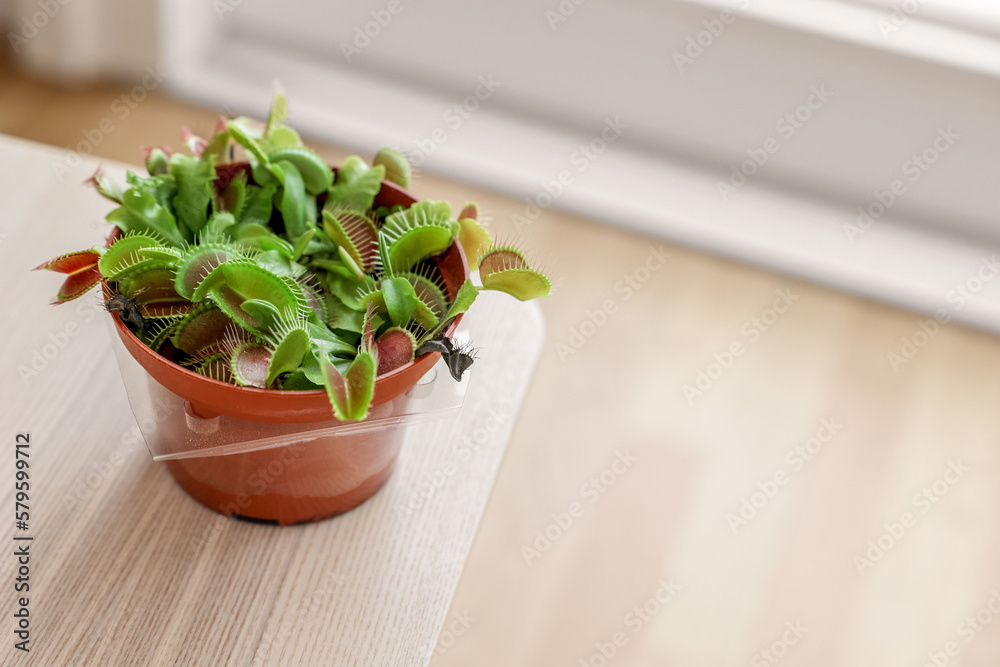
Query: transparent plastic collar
(172, 430)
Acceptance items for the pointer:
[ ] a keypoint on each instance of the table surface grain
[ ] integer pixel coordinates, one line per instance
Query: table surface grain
(128, 570)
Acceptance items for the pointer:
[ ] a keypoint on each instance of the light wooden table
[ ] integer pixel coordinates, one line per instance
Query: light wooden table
(666, 517)
(128, 570)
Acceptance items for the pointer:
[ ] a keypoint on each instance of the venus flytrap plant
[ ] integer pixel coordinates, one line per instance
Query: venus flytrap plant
(505, 268)
(351, 391)
(280, 273)
(473, 237)
(106, 187)
(82, 273)
(397, 167)
(356, 236)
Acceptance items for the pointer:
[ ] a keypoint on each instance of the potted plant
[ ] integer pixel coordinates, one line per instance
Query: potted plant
(268, 293)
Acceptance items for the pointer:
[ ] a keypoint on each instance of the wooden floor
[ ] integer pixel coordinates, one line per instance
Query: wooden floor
(665, 501)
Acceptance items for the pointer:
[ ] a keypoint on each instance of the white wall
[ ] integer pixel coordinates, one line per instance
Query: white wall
(563, 75)
(561, 79)
(78, 40)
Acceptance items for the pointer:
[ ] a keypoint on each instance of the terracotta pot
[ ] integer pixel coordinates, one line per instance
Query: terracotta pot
(312, 479)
